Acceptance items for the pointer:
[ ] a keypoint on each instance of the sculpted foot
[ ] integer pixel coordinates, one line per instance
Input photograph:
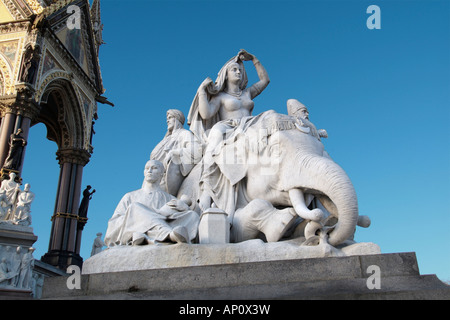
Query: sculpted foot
(138, 239)
(179, 235)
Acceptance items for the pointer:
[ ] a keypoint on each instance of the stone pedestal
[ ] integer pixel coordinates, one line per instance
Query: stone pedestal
(316, 278)
(15, 294)
(15, 242)
(16, 235)
(214, 227)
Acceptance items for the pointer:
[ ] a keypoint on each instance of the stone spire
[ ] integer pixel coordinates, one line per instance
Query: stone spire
(97, 26)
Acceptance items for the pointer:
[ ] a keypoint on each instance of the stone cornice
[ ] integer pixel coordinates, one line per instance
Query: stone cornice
(15, 26)
(14, 10)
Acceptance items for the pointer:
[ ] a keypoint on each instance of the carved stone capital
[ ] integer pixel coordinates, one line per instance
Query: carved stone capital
(22, 103)
(71, 155)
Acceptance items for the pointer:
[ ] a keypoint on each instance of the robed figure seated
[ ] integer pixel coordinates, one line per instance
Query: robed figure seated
(151, 215)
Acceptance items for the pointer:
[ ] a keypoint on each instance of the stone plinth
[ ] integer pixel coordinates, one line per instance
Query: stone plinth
(214, 227)
(15, 242)
(315, 278)
(15, 235)
(129, 258)
(15, 294)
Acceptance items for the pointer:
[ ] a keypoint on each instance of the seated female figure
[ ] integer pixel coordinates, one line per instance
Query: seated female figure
(222, 109)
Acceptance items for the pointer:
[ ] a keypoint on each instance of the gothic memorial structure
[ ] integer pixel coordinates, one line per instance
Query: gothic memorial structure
(50, 74)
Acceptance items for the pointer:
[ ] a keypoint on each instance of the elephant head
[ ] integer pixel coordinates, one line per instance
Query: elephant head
(279, 160)
(286, 165)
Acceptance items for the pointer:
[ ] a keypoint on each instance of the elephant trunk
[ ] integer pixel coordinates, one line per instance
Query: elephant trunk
(326, 177)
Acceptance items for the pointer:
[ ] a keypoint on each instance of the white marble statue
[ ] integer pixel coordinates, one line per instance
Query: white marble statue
(265, 187)
(151, 215)
(269, 172)
(223, 107)
(26, 269)
(11, 189)
(276, 160)
(179, 151)
(286, 163)
(98, 244)
(22, 214)
(3, 205)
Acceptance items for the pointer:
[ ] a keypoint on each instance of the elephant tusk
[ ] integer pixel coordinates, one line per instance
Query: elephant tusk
(298, 202)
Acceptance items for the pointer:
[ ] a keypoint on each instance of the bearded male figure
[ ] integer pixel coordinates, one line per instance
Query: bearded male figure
(179, 152)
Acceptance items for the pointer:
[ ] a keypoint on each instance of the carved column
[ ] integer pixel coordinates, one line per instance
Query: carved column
(63, 249)
(17, 111)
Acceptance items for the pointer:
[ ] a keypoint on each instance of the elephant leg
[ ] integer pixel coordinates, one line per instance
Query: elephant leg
(298, 202)
(261, 216)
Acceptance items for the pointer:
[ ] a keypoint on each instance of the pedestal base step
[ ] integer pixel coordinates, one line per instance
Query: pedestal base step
(380, 276)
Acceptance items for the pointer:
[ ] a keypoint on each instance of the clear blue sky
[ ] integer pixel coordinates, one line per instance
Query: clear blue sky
(382, 95)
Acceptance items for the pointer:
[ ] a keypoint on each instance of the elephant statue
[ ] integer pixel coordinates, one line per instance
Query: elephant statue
(276, 167)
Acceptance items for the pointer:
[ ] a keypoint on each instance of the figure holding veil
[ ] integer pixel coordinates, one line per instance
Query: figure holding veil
(221, 110)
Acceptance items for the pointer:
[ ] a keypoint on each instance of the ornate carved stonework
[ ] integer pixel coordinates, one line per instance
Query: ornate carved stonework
(18, 11)
(35, 6)
(15, 26)
(8, 84)
(69, 155)
(22, 103)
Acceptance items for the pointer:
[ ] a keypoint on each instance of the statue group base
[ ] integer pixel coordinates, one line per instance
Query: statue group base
(205, 272)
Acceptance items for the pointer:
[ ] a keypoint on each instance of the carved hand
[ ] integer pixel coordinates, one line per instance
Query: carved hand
(205, 83)
(181, 206)
(245, 56)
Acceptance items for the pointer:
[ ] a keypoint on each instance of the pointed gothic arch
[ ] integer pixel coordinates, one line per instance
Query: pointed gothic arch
(61, 111)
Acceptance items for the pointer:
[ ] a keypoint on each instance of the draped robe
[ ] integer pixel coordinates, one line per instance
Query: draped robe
(151, 213)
